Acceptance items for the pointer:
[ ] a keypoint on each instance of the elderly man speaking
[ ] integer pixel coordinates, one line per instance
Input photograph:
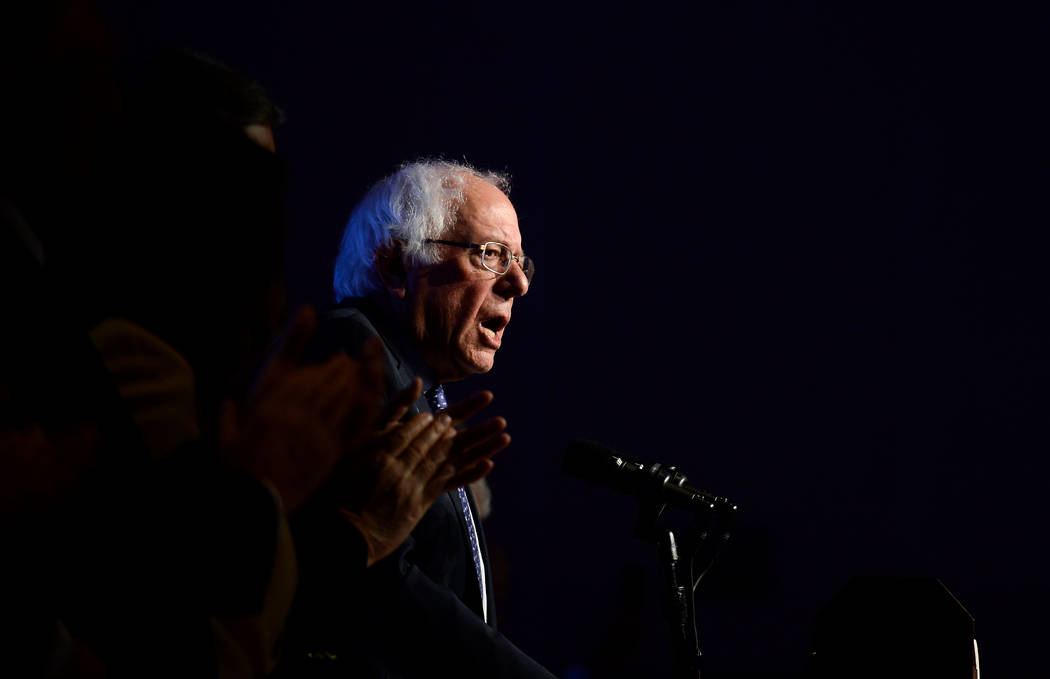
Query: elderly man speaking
(431, 263)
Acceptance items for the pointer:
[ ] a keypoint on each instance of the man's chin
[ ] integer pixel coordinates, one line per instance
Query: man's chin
(483, 361)
(463, 369)
(466, 368)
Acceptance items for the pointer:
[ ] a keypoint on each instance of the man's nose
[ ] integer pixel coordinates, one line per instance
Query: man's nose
(514, 283)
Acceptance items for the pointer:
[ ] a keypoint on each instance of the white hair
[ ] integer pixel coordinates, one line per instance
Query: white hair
(419, 201)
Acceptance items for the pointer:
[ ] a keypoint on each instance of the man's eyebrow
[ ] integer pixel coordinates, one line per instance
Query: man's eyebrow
(497, 240)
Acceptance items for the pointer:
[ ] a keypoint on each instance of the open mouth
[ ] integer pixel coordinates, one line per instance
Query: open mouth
(492, 328)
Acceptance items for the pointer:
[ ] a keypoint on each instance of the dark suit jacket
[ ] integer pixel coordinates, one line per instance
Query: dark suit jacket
(417, 612)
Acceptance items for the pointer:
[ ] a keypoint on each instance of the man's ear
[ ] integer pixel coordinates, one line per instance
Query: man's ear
(390, 266)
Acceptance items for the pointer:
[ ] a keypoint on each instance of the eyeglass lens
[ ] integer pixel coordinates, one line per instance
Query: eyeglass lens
(497, 258)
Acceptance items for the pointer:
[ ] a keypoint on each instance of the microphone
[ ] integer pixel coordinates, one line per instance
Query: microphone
(603, 466)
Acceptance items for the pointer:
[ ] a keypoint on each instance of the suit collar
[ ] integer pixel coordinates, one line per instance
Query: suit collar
(403, 349)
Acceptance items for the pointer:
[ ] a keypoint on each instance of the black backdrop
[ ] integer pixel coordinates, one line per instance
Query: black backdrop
(798, 250)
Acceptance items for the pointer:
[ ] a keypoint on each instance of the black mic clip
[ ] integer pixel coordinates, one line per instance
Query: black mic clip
(653, 500)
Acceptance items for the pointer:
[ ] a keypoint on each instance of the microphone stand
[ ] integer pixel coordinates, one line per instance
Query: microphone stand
(678, 554)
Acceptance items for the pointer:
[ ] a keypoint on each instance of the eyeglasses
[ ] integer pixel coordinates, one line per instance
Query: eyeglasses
(496, 257)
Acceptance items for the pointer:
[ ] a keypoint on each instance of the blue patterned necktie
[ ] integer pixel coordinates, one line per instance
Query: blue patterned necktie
(436, 400)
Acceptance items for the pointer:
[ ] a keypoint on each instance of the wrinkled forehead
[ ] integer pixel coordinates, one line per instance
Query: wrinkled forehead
(486, 215)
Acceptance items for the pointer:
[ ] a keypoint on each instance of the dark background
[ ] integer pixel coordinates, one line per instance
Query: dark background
(797, 249)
